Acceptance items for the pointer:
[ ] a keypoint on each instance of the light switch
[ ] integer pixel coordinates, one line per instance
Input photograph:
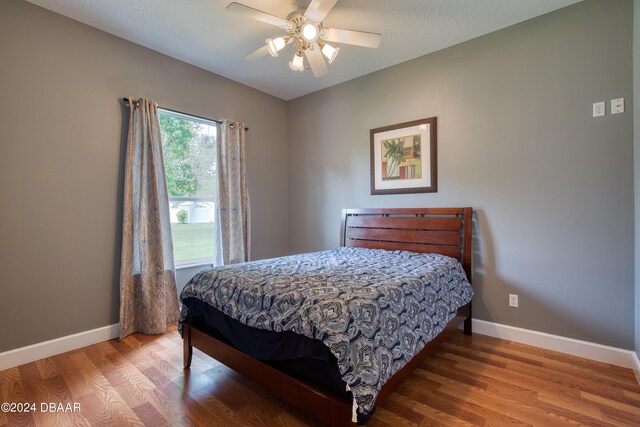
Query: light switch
(598, 109)
(617, 106)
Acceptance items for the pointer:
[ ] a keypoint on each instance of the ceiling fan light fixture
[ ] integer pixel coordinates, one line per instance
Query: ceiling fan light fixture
(298, 62)
(275, 45)
(309, 32)
(330, 52)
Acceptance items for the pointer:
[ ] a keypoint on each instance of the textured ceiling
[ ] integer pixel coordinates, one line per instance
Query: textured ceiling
(202, 33)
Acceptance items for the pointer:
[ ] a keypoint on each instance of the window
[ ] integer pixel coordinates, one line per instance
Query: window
(189, 150)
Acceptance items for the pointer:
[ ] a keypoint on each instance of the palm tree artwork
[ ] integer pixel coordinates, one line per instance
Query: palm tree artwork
(403, 158)
(394, 153)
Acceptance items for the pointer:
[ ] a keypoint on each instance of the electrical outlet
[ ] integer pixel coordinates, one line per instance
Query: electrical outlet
(617, 106)
(513, 300)
(598, 109)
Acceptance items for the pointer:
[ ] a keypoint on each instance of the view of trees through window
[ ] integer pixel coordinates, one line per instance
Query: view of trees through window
(189, 150)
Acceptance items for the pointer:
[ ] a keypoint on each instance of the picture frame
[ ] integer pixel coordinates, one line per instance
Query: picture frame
(404, 158)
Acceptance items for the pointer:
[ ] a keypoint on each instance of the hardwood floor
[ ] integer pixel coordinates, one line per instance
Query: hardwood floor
(470, 381)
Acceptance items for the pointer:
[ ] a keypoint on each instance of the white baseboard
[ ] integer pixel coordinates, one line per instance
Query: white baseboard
(636, 369)
(31, 353)
(588, 350)
(602, 353)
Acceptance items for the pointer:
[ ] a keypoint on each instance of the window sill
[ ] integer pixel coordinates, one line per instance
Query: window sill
(193, 265)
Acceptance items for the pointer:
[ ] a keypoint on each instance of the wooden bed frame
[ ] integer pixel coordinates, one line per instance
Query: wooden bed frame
(445, 231)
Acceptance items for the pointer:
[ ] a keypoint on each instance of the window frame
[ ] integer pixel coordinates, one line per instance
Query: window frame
(194, 262)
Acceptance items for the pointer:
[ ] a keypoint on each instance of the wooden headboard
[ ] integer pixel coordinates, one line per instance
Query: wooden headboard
(445, 231)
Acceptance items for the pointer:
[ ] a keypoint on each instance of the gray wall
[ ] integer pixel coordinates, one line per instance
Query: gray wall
(552, 186)
(636, 146)
(62, 135)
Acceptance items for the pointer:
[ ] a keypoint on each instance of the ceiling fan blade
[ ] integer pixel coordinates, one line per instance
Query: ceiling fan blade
(256, 14)
(316, 61)
(358, 38)
(319, 9)
(257, 54)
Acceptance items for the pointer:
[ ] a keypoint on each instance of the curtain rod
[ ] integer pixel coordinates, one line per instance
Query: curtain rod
(126, 101)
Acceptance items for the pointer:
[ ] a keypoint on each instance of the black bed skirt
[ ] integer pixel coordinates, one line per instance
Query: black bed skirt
(295, 354)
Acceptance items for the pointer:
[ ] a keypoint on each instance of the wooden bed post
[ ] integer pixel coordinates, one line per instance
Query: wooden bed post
(467, 258)
(186, 345)
(467, 322)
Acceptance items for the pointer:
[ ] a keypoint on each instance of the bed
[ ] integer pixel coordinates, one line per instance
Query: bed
(374, 243)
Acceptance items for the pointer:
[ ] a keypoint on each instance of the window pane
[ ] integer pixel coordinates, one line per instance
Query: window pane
(189, 154)
(193, 242)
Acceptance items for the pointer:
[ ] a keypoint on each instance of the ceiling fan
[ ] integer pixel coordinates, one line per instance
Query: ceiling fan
(307, 34)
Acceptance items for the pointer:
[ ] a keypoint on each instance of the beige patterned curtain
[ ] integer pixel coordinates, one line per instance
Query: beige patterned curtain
(233, 197)
(148, 295)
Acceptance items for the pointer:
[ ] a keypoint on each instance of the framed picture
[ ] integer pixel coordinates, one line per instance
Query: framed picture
(404, 158)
